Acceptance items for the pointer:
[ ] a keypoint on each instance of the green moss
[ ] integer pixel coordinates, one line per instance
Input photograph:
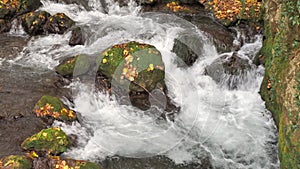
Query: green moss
(74, 66)
(51, 141)
(16, 162)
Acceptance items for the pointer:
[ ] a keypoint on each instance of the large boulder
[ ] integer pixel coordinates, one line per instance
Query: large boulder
(15, 162)
(52, 107)
(52, 141)
(134, 69)
(59, 23)
(33, 22)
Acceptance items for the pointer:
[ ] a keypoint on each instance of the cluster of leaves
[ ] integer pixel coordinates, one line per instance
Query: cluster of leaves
(233, 9)
(174, 6)
(48, 110)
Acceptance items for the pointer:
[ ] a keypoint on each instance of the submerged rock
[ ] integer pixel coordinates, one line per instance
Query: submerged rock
(53, 107)
(133, 69)
(59, 23)
(74, 66)
(33, 22)
(15, 162)
(188, 48)
(228, 69)
(77, 37)
(51, 141)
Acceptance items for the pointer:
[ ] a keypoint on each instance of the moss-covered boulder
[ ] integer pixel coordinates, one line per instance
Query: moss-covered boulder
(74, 66)
(135, 64)
(53, 107)
(15, 162)
(281, 85)
(11, 8)
(59, 23)
(77, 37)
(51, 141)
(33, 22)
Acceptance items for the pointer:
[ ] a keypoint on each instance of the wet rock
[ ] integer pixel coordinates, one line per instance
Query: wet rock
(188, 48)
(53, 107)
(74, 66)
(77, 37)
(51, 141)
(12, 8)
(33, 22)
(5, 26)
(59, 23)
(15, 162)
(221, 36)
(132, 68)
(228, 69)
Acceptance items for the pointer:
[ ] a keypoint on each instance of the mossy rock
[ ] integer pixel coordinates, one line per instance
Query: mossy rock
(51, 141)
(15, 162)
(74, 66)
(50, 106)
(33, 22)
(133, 64)
(59, 23)
(11, 8)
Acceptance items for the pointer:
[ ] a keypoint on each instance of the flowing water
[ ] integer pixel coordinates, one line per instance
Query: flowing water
(230, 128)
